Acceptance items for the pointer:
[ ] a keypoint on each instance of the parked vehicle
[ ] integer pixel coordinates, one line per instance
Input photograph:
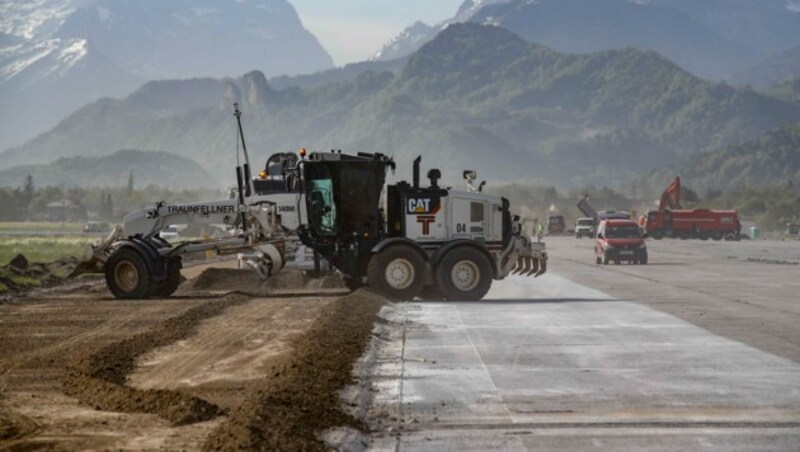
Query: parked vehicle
(96, 227)
(169, 233)
(619, 240)
(584, 227)
(556, 224)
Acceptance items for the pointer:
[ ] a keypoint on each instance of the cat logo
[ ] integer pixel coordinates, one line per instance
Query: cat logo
(420, 206)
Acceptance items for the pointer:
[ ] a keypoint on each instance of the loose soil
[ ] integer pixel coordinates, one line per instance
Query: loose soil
(99, 378)
(247, 281)
(301, 398)
(81, 370)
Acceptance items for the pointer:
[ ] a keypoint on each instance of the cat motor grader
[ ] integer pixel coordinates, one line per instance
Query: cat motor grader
(415, 241)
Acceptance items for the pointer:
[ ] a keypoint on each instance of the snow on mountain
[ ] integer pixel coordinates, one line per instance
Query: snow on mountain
(32, 19)
(57, 55)
(189, 38)
(34, 61)
(415, 36)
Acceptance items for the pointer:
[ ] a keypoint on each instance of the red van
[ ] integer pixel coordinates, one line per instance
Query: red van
(619, 240)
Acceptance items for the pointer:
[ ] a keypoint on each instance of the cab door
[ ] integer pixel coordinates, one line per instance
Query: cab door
(468, 219)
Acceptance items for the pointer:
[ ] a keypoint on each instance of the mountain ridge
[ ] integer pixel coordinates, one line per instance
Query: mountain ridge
(149, 168)
(57, 55)
(475, 89)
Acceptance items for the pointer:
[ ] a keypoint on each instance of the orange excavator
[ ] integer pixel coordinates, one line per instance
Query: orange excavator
(671, 220)
(671, 197)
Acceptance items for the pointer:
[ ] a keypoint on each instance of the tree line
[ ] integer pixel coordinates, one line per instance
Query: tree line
(30, 202)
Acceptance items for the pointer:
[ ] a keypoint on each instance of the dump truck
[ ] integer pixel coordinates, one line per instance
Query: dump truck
(671, 220)
(590, 212)
(445, 243)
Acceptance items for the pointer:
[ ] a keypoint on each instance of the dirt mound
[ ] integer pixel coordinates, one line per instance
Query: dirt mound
(246, 280)
(301, 398)
(20, 262)
(99, 378)
(20, 275)
(227, 279)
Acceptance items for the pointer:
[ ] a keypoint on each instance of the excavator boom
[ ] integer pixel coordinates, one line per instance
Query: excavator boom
(671, 197)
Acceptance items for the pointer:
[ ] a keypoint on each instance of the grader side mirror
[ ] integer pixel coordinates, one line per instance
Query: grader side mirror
(470, 175)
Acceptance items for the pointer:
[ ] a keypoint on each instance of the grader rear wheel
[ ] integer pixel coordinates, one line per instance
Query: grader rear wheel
(171, 282)
(464, 274)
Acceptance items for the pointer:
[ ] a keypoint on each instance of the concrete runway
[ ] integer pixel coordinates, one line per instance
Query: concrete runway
(554, 364)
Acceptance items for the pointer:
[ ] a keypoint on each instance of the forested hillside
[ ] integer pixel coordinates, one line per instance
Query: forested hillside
(478, 96)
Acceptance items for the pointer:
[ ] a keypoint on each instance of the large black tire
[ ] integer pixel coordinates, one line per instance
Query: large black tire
(127, 275)
(464, 274)
(171, 282)
(658, 235)
(398, 271)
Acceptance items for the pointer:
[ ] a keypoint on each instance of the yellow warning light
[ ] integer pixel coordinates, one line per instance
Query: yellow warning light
(262, 174)
(302, 152)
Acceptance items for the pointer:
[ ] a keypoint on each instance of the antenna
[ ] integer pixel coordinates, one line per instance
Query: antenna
(247, 175)
(240, 175)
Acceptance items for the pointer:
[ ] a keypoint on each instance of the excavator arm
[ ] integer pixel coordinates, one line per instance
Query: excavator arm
(671, 197)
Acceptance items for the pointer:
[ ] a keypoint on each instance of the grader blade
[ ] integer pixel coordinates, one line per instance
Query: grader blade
(86, 266)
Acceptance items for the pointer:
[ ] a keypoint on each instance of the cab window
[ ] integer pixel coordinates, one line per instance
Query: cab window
(322, 209)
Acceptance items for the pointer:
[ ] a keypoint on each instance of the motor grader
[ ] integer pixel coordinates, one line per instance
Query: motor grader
(430, 241)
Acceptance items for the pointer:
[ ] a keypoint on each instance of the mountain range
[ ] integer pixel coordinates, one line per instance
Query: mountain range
(58, 55)
(477, 94)
(711, 38)
(148, 167)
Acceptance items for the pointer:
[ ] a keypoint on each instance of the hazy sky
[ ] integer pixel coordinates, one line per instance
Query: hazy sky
(353, 30)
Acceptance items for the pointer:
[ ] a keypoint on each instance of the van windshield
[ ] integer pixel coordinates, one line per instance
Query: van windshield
(585, 222)
(622, 232)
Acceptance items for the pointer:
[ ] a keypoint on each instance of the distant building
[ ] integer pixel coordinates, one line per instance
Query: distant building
(65, 210)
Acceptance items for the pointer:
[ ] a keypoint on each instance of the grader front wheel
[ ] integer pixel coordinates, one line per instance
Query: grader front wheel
(127, 275)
